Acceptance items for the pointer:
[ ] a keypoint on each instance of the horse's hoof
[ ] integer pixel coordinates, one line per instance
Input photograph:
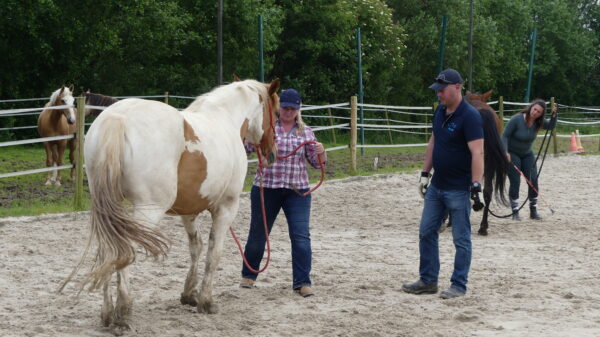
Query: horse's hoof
(57, 183)
(106, 319)
(482, 232)
(122, 325)
(189, 300)
(48, 183)
(207, 308)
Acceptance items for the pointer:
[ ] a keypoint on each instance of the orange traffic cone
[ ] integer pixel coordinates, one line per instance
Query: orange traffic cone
(573, 148)
(579, 146)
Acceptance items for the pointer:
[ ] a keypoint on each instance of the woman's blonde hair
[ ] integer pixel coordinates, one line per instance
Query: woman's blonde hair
(299, 121)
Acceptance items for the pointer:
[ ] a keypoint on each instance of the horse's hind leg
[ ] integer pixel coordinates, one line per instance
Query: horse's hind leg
(190, 291)
(487, 198)
(222, 216)
(58, 158)
(122, 313)
(107, 310)
(72, 147)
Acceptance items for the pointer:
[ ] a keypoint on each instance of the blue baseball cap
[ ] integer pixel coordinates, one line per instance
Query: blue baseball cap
(447, 76)
(290, 98)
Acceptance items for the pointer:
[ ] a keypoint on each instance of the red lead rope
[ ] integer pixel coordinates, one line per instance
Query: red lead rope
(262, 203)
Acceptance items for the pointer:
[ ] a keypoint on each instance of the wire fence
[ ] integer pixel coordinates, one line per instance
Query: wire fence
(410, 123)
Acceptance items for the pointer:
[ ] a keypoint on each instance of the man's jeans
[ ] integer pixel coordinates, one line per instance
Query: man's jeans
(437, 203)
(297, 213)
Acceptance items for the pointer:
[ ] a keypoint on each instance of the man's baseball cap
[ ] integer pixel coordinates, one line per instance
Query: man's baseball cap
(447, 76)
(290, 98)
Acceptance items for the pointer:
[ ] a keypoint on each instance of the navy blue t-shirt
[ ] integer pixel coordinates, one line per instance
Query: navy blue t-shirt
(451, 154)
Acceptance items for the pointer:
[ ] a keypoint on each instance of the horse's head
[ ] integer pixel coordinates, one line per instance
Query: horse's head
(261, 128)
(64, 96)
(473, 97)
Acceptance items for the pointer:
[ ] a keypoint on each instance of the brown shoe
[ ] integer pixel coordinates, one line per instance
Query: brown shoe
(304, 291)
(246, 283)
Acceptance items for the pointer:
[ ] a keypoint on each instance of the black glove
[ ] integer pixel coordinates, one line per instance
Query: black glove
(552, 123)
(475, 189)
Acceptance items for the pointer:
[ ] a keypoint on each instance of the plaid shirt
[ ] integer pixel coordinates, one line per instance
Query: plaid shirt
(289, 172)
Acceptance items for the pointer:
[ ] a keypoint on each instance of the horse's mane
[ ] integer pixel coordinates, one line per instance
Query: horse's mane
(54, 97)
(224, 93)
(97, 100)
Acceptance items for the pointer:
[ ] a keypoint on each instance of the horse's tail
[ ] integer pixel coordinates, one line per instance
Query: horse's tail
(495, 161)
(112, 227)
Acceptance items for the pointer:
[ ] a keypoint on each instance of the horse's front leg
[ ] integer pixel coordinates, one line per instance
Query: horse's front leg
(190, 291)
(49, 163)
(58, 159)
(487, 199)
(222, 216)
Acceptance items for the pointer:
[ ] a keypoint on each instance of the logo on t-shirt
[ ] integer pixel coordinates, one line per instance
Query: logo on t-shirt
(451, 126)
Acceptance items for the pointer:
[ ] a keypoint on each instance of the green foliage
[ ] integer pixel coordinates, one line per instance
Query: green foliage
(150, 46)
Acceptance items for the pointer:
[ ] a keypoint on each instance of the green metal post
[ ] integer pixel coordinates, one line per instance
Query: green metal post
(501, 110)
(442, 43)
(80, 134)
(531, 58)
(360, 89)
(470, 75)
(553, 133)
(261, 61)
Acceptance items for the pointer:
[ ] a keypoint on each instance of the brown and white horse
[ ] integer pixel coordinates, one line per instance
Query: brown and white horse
(166, 161)
(58, 122)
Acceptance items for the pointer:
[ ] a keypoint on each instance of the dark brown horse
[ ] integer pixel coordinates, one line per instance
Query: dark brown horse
(58, 122)
(96, 100)
(496, 164)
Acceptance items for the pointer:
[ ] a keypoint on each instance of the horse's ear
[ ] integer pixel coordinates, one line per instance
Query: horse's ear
(274, 86)
(236, 77)
(487, 95)
(62, 89)
(71, 88)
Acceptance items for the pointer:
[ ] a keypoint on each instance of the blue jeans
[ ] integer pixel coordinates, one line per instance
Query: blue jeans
(297, 213)
(437, 203)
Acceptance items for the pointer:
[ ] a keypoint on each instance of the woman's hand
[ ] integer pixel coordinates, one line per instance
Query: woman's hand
(319, 148)
(508, 157)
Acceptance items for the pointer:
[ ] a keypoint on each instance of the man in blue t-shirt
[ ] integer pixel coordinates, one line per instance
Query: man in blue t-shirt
(455, 152)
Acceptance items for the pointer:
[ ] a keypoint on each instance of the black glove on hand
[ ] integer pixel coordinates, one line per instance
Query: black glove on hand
(475, 189)
(552, 123)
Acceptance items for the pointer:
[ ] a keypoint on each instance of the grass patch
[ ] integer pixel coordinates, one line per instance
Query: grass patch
(27, 195)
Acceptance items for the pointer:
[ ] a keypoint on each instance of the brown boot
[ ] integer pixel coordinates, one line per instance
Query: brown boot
(246, 283)
(304, 291)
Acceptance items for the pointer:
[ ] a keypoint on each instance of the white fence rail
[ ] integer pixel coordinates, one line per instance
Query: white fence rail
(392, 125)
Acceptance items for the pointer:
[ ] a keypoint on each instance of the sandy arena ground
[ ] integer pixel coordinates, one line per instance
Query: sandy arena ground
(528, 278)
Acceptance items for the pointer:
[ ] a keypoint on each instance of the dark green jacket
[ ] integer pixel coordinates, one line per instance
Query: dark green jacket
(517, 137)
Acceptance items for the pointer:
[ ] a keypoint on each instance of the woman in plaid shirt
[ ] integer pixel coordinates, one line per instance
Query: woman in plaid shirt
(281, 183)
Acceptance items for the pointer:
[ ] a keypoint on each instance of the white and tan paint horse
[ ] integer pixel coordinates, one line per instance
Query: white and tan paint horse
(58, 122)
(166, 161)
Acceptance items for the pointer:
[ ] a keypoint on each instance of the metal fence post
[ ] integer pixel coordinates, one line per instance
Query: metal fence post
(501, 110)
(80, 134)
